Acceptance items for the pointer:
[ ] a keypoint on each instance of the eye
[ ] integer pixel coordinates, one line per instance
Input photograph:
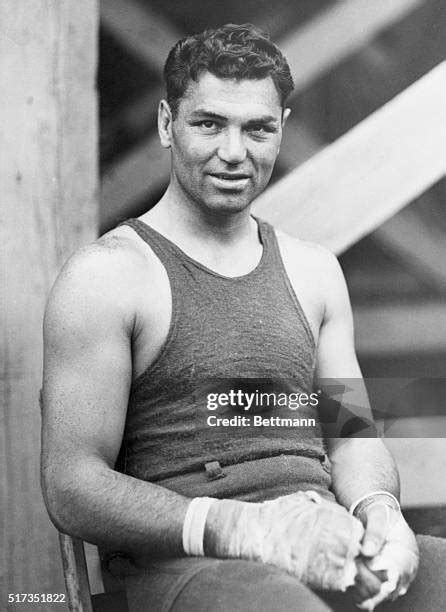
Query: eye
(208, 124)
(260, 130)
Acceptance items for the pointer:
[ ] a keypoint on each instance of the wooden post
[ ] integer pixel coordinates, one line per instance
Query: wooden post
(48, 192)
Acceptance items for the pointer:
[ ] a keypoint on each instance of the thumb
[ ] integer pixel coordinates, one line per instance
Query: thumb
(376, 527)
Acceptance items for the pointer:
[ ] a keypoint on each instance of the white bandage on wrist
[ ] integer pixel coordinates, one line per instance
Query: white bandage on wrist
(373, 494)
(194, 524)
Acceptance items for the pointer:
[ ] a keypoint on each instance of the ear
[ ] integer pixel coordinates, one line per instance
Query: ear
(285, 114)
(165, 124)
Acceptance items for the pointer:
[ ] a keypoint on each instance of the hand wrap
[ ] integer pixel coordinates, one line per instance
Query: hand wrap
(309, 537)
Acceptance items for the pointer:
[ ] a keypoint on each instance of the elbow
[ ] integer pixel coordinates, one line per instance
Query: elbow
(57, 519)
(57, 499)
(69, 490)
(61, 489)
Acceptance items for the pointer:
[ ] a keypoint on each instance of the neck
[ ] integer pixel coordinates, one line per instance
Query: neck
(226, 243)
(181, 220)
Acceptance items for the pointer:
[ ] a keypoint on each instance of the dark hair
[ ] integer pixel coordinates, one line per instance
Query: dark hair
(229, 52)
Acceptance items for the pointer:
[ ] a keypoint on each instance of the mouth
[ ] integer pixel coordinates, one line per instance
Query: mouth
(230, 176)
(230, 180)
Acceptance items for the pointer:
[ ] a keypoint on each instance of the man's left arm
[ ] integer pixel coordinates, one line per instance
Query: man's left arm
(361, 466)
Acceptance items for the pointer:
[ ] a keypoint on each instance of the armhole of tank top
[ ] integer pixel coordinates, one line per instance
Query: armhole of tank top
(289, 286)
(175, 301)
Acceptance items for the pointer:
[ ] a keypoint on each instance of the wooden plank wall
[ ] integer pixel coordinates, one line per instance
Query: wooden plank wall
(48, 187)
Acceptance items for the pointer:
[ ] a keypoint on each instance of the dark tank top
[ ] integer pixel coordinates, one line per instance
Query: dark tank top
(246, 334)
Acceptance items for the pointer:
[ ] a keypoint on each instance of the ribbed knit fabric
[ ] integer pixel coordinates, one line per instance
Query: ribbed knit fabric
(248, 333)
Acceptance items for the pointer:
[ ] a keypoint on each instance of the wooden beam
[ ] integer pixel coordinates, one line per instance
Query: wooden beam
(418, 246)
(337, 33)
(365, 177)
(299, 141)
(400, 329)
(405, 236)
(421, 248)
(49, 181)
(143, 31)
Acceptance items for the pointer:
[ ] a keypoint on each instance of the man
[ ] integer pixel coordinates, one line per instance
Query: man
(159, 316)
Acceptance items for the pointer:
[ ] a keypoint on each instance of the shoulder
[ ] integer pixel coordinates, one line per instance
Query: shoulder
(101, 279)
(316, 270)
(310, 257)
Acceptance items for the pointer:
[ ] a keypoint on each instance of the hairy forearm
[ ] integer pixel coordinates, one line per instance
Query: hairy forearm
(92, 501)
(360, 466)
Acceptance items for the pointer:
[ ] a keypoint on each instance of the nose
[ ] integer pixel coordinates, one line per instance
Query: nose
(232, 148)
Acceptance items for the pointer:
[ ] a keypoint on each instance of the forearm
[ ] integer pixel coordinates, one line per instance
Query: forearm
(91, 501)
(361, 466)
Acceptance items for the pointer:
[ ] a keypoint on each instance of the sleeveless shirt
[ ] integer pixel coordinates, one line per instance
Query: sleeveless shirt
(246, 333)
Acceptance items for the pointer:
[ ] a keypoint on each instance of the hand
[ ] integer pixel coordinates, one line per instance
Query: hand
(390, 551)
(303, 534)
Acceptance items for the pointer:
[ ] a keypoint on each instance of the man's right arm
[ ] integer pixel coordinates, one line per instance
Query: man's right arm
(87, 375)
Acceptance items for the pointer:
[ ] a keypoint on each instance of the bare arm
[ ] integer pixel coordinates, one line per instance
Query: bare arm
(359, 465)
(87, 376)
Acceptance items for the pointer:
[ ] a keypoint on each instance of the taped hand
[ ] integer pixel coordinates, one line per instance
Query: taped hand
(307, 536)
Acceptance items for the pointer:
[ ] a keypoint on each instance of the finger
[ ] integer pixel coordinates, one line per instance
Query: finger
(371, 603)
(367, 585)
(402, 586)
(376, 527)
(382, 574)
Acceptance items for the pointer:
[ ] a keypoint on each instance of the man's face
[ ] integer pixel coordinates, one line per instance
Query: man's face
(225, 140)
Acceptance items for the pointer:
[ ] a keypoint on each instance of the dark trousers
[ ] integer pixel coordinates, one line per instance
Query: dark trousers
(213, 585)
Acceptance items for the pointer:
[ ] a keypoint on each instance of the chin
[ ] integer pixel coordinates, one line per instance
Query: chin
(228, 204)
(229, 208)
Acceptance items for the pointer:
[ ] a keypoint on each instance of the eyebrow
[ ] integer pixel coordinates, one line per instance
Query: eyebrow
(202, 112)
(264, 119)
